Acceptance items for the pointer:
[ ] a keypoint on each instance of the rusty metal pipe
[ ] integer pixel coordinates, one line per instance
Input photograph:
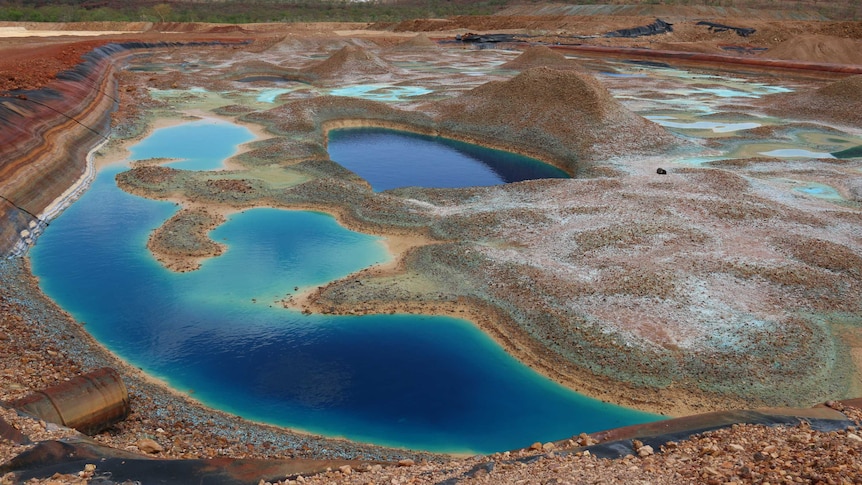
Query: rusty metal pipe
(89, 403)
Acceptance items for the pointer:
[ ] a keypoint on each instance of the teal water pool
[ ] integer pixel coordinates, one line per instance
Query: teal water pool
(390, 159)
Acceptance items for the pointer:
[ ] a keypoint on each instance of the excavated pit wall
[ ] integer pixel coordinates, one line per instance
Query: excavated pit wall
(45, 138)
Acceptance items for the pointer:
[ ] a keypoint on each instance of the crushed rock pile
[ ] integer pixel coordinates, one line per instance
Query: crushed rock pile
(569, 113)
(847, 90)
(349, 61)
(538, 56)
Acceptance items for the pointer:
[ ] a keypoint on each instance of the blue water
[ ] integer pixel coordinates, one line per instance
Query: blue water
(381, 92)
(390, 159)
(430, 383)
(200, 145)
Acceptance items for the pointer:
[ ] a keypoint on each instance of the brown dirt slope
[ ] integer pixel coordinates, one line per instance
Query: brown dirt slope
(818, 48)
(31, 67)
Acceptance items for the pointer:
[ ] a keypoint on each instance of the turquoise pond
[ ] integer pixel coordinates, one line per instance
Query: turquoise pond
(390, 159)
(423, 382)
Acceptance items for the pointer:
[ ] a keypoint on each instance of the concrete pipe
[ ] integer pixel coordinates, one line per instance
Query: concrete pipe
(89, 403)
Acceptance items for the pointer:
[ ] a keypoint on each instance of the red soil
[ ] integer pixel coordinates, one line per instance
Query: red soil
(34, 66)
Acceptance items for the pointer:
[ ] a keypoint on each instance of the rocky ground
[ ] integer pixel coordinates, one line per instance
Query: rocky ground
(43, 345)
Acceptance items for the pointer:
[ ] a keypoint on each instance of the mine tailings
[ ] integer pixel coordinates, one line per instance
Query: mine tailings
(46, 134)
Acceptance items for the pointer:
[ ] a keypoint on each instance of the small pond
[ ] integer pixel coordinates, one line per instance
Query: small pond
(390, 159)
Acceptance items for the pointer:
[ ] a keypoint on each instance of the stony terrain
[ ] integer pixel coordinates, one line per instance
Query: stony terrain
(664, 267)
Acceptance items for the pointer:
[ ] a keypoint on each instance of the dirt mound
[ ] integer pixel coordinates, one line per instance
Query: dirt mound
(840, 101)
(848, 90)
(350, 60)
(538, 56)
(420, 41)
(226, 29)
(424, 25)
(569, 113)
(818, 48)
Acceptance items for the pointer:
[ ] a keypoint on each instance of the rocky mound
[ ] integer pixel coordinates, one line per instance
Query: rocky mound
(420, 41)
(538, 56)
(350, 60)
(818, 48)
(570, 114)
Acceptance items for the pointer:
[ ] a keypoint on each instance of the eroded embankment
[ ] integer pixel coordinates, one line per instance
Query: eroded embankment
(46, 134)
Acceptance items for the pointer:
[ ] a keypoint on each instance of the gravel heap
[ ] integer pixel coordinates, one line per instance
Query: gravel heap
(839, 101)
(568, 113)
(348, 62)
(421, 41)
(538, 56)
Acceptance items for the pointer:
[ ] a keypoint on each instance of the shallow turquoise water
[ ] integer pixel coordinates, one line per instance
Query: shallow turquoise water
(380, 92)
(200, 145)
(433, 383)
(389, 159)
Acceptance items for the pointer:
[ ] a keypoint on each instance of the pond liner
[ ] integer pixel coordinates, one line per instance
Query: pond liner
(655, 28)
(70, 456)
(472, 38)
(618, 443)
(703, 58)
(717, 28)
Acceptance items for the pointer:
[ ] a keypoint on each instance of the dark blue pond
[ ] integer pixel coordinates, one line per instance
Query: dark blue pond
(389, 159)
(429, 383)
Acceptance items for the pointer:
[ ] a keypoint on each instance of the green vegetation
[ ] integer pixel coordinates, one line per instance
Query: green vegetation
(248, 11)
(241, 11)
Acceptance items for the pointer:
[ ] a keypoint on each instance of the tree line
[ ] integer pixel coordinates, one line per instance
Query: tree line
(246, 11)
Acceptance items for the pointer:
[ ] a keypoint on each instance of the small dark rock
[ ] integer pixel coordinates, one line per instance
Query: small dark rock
(661, 171)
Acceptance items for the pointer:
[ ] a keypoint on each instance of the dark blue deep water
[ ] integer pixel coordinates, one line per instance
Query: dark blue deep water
(389, 159)
(429, 383)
